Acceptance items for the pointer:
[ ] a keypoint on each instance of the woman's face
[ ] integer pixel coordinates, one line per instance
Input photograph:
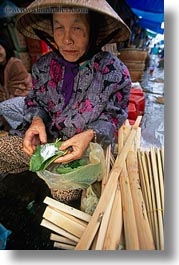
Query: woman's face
(71, 34)
(2, 55)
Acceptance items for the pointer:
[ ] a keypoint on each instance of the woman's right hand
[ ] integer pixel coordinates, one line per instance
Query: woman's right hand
(35, 135)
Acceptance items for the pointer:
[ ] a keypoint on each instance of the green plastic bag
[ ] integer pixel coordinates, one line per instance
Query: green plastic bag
(81, 177)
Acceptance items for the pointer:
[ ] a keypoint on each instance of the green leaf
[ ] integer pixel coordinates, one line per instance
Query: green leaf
(44, 155)
(71, 166)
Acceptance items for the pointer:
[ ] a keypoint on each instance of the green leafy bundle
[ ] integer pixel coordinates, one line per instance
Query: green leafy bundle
(44, 155)
(69, 167)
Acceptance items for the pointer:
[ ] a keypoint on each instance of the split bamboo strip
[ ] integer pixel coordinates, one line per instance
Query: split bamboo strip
(147, 184)
(113, 218)
(103, 229)
(115, 225)
(152, 214)
(67, 209)
(58, 230)
(93, 245)
(130, 226)
(127, 123)
(126, 132)
(136, 144)
(62, 239)
(112, 159)
(158, 201)
(163, 159)
(63, 222)
(120, 139)
(92, 227)
(63, 246)
(112, 237)
(142, 178)
(103, 184)
(76, 220)
(143, 228)
(105, 178)
(104, 224)
(161, 183)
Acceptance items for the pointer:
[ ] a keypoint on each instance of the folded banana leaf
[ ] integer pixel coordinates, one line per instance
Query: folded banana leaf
(44, 155)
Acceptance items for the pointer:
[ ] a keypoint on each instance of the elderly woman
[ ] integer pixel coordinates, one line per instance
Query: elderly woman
(80, 93)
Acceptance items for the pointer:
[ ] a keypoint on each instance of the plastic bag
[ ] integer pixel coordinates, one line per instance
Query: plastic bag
(91, 198)
(4, 233)
(80, 178)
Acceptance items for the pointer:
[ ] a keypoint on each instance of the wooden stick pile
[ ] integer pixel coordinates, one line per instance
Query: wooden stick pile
(151, 167)
(122, 218)
(67, 222)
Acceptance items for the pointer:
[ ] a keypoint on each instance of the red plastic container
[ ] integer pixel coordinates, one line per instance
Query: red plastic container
(132, 112)
(131, 122)
(137, 91)
(139, 102)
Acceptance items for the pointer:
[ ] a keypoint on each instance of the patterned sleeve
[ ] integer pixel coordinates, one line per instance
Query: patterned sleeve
(34, 101)
(116, 86)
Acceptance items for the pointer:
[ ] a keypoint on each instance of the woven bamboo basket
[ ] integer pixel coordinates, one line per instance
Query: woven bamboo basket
(136, 75)
(132, 54)
(135, 65)
(135, 60)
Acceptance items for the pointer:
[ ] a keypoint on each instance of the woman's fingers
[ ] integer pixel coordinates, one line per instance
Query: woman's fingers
(68, 158)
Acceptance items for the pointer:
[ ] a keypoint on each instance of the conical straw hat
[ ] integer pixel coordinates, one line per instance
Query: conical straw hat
(33, 17)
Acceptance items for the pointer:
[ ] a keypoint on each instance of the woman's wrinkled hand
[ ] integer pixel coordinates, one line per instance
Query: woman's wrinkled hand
(79, 143)
(35, 135)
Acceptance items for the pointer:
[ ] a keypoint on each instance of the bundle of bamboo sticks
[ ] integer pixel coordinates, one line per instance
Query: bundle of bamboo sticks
(122, 218)
(151, 168)
(121, 211)
(67, 222)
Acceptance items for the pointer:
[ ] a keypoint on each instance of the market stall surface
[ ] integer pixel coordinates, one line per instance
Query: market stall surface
(22, 195)
(152, 126)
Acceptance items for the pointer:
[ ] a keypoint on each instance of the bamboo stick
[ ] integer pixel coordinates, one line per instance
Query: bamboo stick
(115, 225)
(104, 224)
(158, 201)
(154, 210)
(143, 228)
(147, 185)
(123, 133)
(106, 177)
(62, 239)
(93, 245)
(120, 139)
(63, 246)
(142, 178)
(162, 157)
(62, 221)
(77, 220)
(152, 215)
(112, 160)
(95, 221)
(130, 226)
(127, 123)
(67, 209)
(136, 144)
(58, 230)
(112, 237)
(161, 183)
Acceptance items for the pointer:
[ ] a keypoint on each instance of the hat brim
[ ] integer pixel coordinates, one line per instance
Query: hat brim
(33, 18)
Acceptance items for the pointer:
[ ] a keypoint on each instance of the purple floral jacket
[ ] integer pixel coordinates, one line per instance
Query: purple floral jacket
(99, 99)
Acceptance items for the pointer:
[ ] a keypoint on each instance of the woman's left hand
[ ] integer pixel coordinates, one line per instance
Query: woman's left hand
(79, 143)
